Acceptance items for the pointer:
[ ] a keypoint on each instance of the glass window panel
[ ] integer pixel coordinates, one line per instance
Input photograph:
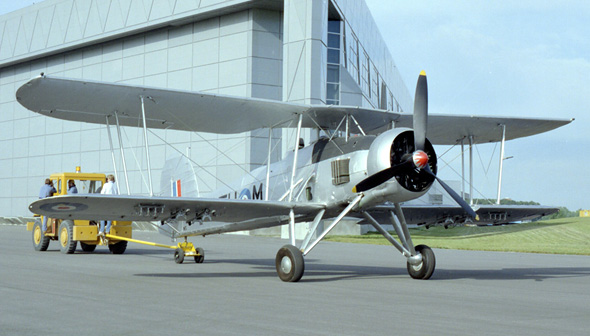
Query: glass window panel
(334, 56)
(333, 73)
(334, 41)
(334, 26)
(332, 92)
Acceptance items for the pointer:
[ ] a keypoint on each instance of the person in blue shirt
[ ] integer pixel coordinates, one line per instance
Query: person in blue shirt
(47, 190)
(72, 187)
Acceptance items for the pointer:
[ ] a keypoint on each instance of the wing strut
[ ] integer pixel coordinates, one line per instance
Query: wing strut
(122, 154)
(337, 220)
(112, 151)
(147, 148)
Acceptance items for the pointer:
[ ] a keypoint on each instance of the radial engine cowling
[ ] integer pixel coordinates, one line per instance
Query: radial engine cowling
(392, 148)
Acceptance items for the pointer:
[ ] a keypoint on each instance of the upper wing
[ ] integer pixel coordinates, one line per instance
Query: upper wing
(93, 102)
(449, 215)
(209, 215)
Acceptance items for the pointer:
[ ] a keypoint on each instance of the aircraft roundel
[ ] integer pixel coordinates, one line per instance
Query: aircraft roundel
(245, 194)
(64, 207)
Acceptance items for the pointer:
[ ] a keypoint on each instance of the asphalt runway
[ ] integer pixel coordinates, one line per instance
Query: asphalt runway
(347, 289)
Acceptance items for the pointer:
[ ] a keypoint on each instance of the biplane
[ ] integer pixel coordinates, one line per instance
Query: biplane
(368, 165)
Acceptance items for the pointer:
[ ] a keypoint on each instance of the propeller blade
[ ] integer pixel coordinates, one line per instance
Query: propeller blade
(380, 177)
(454, 195)
(420, 119)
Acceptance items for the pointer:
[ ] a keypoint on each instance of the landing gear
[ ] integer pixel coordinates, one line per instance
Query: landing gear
(424, 269)
(289, 263)
(421, 260)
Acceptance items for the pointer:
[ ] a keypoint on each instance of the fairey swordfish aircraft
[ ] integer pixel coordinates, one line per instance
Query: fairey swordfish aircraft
(390, 161)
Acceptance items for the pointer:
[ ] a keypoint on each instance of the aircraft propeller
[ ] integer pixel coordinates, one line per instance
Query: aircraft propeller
(418, 159)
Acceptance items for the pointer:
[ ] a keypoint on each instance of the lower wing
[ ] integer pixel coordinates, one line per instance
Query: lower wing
(202, 215)
(430, 215)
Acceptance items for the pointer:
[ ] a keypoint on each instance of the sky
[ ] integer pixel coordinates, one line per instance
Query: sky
(502, 58)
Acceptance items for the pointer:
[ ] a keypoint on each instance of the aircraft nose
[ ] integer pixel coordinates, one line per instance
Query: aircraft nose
(420, 159)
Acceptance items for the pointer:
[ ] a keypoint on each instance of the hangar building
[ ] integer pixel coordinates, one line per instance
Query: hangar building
(308, 51)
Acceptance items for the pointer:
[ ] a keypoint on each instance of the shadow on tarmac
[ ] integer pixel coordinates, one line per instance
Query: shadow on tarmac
(315, 272)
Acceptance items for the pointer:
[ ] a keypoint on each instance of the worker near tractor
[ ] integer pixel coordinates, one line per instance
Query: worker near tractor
(72, 187)
(47, 190)
(110, 188)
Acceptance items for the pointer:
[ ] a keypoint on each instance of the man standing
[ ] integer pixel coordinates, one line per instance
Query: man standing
(110, 188)
(47, 190)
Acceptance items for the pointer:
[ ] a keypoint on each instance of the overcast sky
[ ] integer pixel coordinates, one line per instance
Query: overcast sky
(512, 58)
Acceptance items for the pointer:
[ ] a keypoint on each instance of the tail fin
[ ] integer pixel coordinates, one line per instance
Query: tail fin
(179, 178)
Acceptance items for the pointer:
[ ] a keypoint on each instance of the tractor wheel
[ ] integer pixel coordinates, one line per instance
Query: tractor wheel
(87, 247)
(118, 248)
(40, 241)
(67, 244)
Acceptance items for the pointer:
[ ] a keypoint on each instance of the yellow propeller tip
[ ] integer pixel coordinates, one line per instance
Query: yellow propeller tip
(422, 73)
(354, 189)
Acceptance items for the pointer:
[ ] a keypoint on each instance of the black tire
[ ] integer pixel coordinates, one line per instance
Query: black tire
(65, 236)
(201, 257)
(178, 256)
(118, 248)
(289, 263)
(426, 268)
(40, 241)
(87, 247)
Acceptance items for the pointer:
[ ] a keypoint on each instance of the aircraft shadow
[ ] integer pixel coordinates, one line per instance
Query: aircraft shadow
(316, 272)
(533, 273)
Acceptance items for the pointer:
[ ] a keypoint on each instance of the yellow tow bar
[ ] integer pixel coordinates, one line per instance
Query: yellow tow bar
(181, 250)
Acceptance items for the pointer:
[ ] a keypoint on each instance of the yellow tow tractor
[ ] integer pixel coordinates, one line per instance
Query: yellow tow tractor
(70, 232)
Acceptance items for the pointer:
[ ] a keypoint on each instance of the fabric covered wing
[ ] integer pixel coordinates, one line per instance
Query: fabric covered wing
(93, 102)
(209, 215)
(449, 215)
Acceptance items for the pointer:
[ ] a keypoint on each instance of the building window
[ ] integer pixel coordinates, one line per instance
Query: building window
(333, 71)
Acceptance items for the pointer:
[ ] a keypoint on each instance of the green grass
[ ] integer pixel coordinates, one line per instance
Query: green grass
(557, 236)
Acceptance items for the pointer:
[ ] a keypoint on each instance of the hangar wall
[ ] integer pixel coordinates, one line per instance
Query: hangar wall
(261, 48)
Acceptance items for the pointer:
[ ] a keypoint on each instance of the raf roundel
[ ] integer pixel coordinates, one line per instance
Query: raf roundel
(245, 194)
(64, 207)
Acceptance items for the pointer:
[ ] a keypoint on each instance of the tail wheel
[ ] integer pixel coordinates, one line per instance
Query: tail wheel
(424, 270)
(40, 241)
(67, 244)
(118, 248)
(289, 263)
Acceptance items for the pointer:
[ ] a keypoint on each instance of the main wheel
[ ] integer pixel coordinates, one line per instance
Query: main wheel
(289, 263)
(40, 241)
(178, 255)
(119, 247)
(201, 257)
(424, 270)
(67, 244)
(87, 247)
